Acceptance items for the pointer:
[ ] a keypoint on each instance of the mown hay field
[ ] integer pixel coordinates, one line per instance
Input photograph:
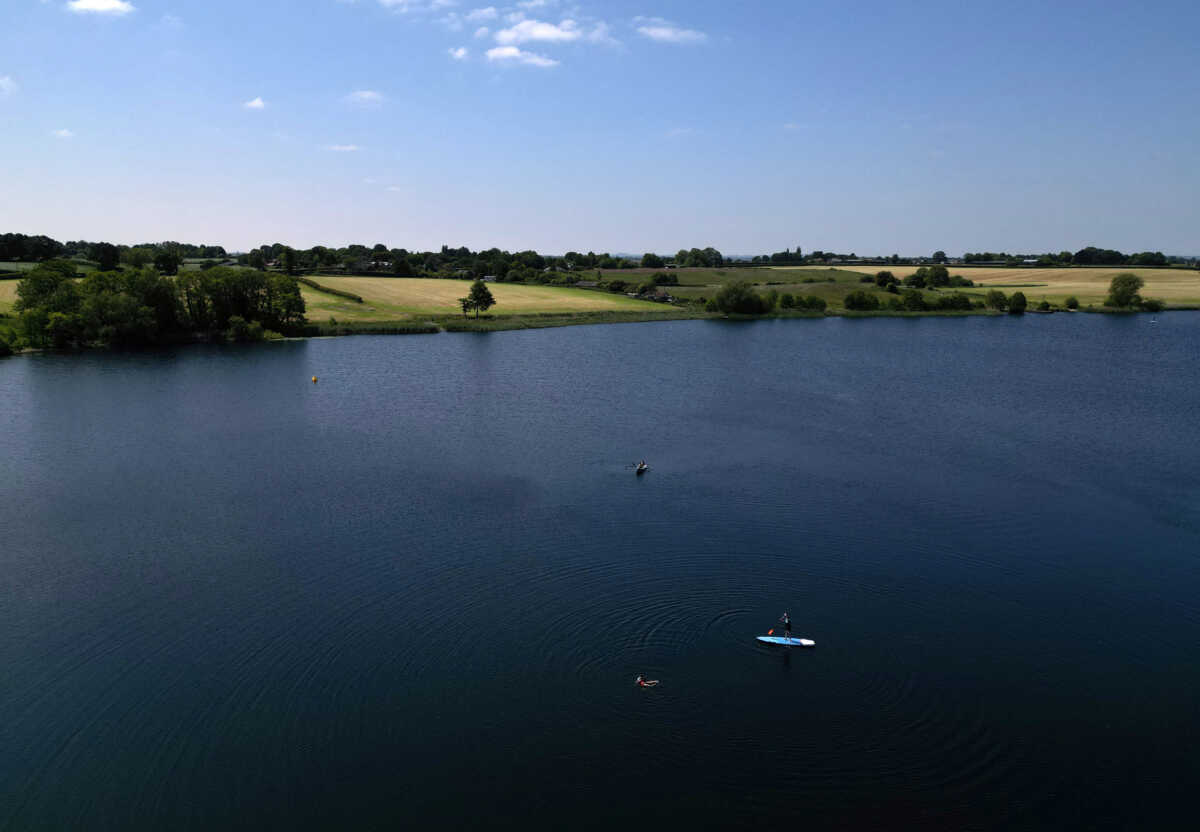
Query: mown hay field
(1175, 286)
(392, 299)
(8, 294)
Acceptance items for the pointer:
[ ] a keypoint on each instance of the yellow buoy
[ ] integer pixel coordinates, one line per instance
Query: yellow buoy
(314, 379)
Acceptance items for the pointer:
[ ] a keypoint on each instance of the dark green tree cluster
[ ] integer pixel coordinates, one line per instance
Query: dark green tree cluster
(788, 257)
(998, 301)
(706, 258)
(24, 247)
(141, 306)
(935, 277)
(37, 248)
(1123, 293)
(811, 303)
(861, 301)
(739, 299)
(913, 300)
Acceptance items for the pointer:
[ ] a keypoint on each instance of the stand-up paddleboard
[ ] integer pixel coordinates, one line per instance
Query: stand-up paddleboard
(788, 642)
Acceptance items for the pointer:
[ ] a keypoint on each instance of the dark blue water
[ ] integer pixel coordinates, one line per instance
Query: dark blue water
(418, 592)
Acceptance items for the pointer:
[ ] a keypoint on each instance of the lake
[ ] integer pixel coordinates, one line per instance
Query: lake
(418, 592)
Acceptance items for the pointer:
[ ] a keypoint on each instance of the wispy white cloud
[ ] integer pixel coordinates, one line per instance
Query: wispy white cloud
(507, 54)
(536, 4)
(113, 7)
(664, 31)
(459, 54)
(482, 32)
(64, 133)
(406, 6)
(255, 104)
(344, 148)
(170, 21)
(601, 33)
(477, 15)
(365, 98)
(537, 30)
(7, 86)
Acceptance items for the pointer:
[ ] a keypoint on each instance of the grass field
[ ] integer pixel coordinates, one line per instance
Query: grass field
(715, 278)
(24, 266)
(8, 294)
(395, 299)
(1175, 286)
(831, 285)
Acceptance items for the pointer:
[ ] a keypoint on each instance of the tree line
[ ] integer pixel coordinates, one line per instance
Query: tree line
(134, 307)
(1089, 256)
(519, 267)
(493, 263)
(38, 247)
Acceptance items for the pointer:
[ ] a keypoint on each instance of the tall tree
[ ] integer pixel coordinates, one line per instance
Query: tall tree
(1123, 291)
(288, 260)
(105, 255)
(481, 297)
(168, 261)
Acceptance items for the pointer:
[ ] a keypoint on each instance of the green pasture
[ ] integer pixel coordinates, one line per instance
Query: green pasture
(398, 299)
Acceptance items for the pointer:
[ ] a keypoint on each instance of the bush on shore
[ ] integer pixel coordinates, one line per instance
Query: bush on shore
(739, 299)
(860, 301)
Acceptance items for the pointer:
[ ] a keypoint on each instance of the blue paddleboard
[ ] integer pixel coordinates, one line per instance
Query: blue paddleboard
(788, 642)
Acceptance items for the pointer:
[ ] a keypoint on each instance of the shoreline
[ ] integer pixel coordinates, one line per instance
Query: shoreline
(442, 324)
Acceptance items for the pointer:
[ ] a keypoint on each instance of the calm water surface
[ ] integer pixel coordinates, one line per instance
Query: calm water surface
(418, 592)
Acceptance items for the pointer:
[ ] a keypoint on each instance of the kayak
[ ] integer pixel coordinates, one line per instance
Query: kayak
(643, 469)
(788, 642)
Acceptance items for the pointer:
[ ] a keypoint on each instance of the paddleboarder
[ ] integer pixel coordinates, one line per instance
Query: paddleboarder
(646, 683)
(787, 625)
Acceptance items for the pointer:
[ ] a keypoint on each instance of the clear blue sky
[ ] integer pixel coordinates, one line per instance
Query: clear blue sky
(868, 126)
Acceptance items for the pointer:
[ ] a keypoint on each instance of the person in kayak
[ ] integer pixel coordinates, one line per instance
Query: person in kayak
(646, 683)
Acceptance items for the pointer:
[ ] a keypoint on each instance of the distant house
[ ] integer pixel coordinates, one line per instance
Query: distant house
(488, 278)
(1029, 261)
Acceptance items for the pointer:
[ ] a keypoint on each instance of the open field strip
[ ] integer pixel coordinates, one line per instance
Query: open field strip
(392, 299)
(716, 277)
(29, 265)
(8, 294)
(1175, 286)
